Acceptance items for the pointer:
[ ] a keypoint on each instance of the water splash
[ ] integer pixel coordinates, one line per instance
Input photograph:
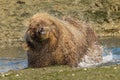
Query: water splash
(107, 55)
(110, 56)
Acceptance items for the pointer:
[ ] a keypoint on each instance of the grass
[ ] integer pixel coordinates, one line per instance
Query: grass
(104, 14)
(15, 12)
(64, 73)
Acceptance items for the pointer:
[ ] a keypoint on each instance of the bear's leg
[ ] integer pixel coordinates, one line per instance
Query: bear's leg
(72, 60)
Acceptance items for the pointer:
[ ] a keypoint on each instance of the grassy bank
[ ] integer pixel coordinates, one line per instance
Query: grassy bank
(64, 73)
(104, 15)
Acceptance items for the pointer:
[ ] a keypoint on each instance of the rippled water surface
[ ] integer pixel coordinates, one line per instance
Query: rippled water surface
(111, 53)
(16, 58)
(12, 59)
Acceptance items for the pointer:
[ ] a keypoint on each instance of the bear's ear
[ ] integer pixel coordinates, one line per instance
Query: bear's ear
(29, 22)
(53, 25)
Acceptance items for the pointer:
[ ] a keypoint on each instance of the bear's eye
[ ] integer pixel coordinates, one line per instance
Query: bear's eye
(41, 29)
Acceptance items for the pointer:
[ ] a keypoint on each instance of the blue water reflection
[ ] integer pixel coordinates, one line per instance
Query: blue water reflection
(114, 52)
(111, 56)
(12, 58)
(7, 64)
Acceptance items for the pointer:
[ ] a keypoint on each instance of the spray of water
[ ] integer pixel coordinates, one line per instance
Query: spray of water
(107, 57)
(110, 56)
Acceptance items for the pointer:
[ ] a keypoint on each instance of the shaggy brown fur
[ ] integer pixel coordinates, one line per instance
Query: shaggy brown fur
(52, 41)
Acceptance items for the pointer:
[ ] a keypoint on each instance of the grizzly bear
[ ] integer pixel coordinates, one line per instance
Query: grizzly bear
(51, 41)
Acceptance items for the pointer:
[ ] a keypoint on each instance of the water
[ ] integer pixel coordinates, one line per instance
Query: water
(7, 64)
(110, 55)
(12, 59)
(16, 59)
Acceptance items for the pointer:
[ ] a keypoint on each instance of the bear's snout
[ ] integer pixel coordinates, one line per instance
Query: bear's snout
(41, 31)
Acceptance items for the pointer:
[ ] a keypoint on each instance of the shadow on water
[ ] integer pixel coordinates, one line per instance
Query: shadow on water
(15, 58)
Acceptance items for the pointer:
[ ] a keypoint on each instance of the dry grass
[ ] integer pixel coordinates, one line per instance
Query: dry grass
(14, 13)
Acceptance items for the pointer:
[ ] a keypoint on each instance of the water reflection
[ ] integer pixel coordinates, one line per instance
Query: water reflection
(111, 51)
(110, 42)
(12, 59)
(7, 64)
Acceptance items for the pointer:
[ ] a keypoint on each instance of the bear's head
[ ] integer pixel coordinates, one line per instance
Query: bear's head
(42, 29)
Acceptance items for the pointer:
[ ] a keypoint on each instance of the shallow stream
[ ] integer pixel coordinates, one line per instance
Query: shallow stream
(16, 58)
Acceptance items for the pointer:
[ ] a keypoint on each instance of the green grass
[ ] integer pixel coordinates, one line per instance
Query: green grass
(64, 73)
